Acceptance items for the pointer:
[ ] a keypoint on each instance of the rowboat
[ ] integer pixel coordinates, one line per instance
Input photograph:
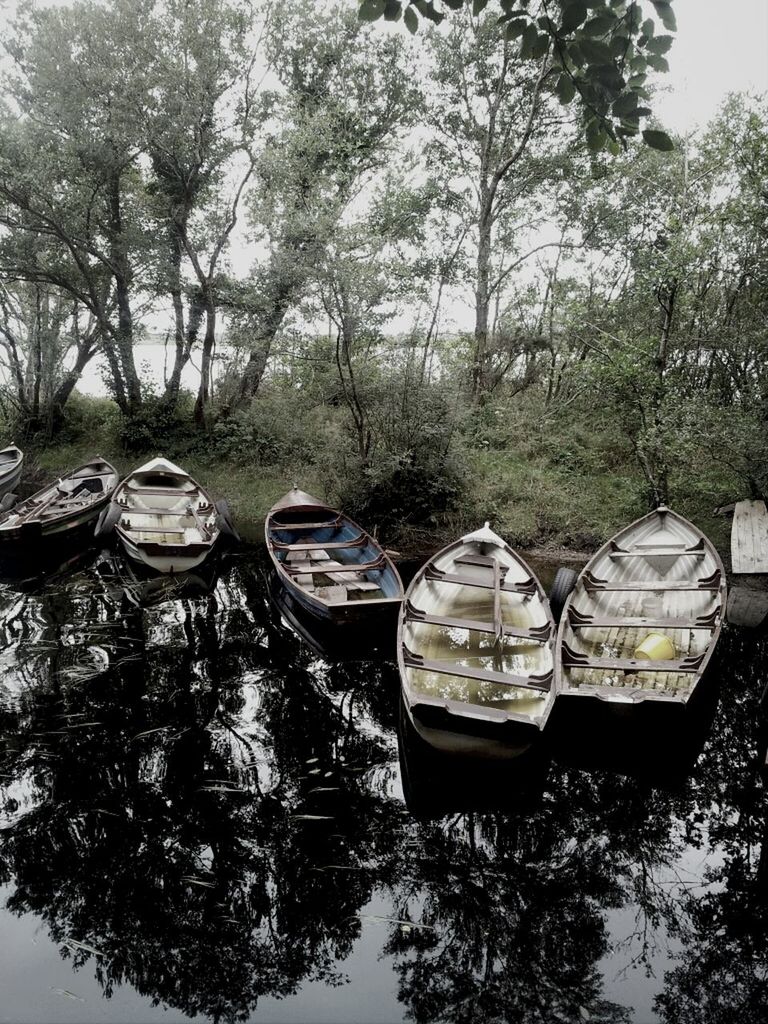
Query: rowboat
(476, 650)
(164, 519)
(62, 507)
(329, 564)
(641, 623)
(11, 464)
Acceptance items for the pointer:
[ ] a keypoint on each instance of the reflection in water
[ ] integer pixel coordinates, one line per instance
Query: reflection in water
(199, 805)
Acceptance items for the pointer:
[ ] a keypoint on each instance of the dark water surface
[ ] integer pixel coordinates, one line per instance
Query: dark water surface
(200, 814)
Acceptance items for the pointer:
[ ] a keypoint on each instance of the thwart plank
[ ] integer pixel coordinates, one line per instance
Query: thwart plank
(749, 537)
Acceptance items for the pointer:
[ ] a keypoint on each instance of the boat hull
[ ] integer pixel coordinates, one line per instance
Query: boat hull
(308, 541)
(475, 651)
(659, 583)
(9, 480)
(167, 522)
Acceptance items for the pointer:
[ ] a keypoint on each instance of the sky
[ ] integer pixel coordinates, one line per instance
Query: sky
(720, 47)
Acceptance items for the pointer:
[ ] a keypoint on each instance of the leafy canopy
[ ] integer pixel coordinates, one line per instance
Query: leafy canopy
(597, 50)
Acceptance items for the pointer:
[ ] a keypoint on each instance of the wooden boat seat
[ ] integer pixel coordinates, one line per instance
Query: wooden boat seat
(593, 584)
(330, 524)
(376, 563)
(450, 668)
(356, 542)
(575, 659)
(528, 587)
(178, 491)
(539, 634)
(580, 620)
(139, 528)
(697, 551)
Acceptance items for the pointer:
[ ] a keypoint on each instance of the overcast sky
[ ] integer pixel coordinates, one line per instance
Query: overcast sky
(720, 47)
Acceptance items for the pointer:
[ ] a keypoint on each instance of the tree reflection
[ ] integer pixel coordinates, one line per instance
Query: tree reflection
(199, 805)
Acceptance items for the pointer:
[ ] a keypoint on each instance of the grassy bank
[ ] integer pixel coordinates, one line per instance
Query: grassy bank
(541, 487)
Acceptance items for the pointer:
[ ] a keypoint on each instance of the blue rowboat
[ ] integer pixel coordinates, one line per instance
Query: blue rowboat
(329, 564)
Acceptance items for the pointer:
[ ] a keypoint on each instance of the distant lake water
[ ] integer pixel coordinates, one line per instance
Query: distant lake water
(207, 812)
(154, 363)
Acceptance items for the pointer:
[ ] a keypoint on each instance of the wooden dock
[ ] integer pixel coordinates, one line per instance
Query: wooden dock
(749, 537)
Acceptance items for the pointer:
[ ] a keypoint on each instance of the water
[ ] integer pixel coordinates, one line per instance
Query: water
(202, 814)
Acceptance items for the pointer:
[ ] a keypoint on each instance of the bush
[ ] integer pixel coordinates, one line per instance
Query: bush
(277, 429)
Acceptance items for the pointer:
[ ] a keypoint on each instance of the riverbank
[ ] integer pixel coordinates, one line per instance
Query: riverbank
(541, 513)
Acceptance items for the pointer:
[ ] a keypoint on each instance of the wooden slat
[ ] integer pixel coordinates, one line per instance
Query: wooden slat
(577, 620)
(575, 659)
(749, 537)
(360, 541)
(438, 576)
(594, 585)
(450, 668)
(539, 634)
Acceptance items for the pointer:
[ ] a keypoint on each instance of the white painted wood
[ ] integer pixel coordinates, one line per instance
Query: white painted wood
(749, 537)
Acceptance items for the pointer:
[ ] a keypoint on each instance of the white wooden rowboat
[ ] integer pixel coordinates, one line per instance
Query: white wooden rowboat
(167, 521)
(62, 507)
(475, 650)
(11, 465)
(644, 616)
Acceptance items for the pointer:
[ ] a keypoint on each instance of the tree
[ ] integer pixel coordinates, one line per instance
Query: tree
(600, 51)
(345, 99)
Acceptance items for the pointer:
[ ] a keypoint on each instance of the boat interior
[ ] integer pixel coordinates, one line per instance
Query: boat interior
(160, 507)
(643, 615)
(84, 487)
(476, 630)
(329, 556)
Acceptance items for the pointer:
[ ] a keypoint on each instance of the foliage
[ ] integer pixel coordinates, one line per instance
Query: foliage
(599, 51)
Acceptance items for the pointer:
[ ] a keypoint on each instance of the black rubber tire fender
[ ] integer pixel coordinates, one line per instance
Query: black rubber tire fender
(562, 585)
(108, 520)
(224, 521)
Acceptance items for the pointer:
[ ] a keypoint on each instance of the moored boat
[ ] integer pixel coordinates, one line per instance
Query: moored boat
(11, 465)
(164, 519)
(62, 507)
(643, 618)
(476, 649)
(329, 564)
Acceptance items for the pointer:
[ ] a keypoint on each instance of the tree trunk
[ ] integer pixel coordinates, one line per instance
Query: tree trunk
(203, 393)
(482, 306)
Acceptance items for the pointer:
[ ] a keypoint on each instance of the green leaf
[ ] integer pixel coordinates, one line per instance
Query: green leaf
(636, 81)
(594, 51)
(620, 45)
(657, 63)
(574, 52)
(565, 89)
(660, 44)
(530, 37)
(411, 19)
(541, 45)
(596, 137)
(478, 6)
(392, 10)
(515, 28)
(658, 140)
(647, 27)
(625, 104)
(573, 15)
(456, 5)
(667, 15)
(371, 10)
(600, 25)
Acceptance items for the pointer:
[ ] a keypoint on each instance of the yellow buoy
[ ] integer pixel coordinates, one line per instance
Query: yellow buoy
(655, 647)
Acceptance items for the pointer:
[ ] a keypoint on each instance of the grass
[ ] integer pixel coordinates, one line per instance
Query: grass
(542, 485)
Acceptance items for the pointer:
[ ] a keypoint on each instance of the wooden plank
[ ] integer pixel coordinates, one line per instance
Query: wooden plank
(749, 537)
